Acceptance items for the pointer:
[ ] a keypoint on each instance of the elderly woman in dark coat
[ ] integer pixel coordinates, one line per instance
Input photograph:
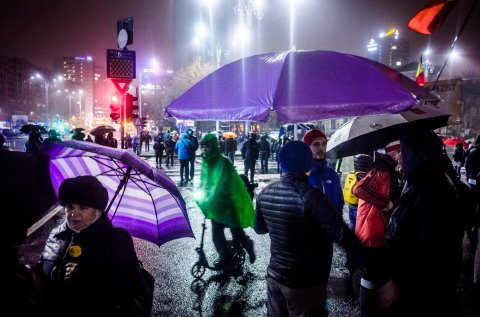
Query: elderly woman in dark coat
(90, 265)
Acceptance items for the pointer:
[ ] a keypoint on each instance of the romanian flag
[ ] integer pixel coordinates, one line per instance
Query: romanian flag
(420, 76)
(432, 16)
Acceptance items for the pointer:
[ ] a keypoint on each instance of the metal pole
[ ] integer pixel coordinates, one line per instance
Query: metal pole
(139, 95)
(69, 107)
(122, 122)
(454, 42)
(46, 85)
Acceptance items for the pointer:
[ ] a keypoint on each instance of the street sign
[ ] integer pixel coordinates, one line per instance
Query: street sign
(121, 64)
(125, 32)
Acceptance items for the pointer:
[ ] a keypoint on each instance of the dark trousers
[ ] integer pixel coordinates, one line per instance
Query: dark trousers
(264, 161)
(184, 169)
(250, 166)
(192, 167)
(170, 158)
(231, 155)
(219, 240)
(284, 301)
(158, 159)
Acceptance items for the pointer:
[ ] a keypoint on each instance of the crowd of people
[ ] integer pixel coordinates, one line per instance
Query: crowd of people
(405, 234)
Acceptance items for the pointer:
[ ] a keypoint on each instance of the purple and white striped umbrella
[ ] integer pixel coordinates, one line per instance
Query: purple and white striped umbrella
(143, 200)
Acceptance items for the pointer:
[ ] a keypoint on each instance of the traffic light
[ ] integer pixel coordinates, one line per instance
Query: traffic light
(115, 108)
(131, 107)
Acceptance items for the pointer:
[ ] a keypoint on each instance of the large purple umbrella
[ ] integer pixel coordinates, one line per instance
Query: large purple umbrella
(142, 200)
(300, 86)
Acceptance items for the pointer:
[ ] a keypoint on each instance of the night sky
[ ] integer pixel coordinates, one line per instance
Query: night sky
(41, 30)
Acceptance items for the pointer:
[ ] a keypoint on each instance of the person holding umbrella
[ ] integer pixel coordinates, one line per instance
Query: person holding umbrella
(34, 142)
(52, 136)
(223, 198)
(423, 240)
(87, 262)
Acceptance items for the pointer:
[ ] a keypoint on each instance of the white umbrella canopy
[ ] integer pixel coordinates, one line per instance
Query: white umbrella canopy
(368, 133)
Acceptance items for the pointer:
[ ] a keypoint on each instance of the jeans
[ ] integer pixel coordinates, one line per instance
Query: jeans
(352, 217)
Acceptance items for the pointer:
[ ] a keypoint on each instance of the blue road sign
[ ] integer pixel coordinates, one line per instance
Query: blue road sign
(121, 64)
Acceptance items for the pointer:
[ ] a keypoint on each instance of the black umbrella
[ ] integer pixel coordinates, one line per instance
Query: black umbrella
(27, 128)
(368, 133)
(77, 130)
(102, 129)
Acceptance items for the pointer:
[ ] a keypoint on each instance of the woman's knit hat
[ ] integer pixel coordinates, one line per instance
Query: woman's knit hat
(83, 190)
(295, 156)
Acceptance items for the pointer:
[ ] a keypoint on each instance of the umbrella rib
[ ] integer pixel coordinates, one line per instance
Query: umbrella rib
(123, 184)
(142, 185)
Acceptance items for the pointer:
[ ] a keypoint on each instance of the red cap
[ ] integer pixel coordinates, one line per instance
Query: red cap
(312, 135)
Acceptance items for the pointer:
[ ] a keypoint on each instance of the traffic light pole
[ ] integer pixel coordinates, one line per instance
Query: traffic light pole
(122, 122)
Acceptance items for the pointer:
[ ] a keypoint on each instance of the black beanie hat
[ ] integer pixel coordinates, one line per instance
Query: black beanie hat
(362, 162)
(83, 190)
(295, 156)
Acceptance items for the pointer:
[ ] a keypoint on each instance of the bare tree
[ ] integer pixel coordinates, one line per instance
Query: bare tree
(180, 82)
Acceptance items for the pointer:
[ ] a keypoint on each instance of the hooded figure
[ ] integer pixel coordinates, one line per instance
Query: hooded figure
(423, 240)
(225, 198)
(222, 196)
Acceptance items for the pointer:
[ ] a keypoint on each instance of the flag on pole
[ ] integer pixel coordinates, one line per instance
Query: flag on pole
(431, 17)
(420, 76)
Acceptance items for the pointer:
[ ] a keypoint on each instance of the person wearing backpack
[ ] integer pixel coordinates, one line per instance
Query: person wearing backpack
(159, 147)
(362, 163)
(378, 192)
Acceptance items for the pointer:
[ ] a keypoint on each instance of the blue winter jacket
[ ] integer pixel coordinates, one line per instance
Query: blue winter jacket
(182, 147)
(328, 181)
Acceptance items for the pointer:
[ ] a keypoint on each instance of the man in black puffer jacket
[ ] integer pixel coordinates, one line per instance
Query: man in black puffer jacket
(302, 225)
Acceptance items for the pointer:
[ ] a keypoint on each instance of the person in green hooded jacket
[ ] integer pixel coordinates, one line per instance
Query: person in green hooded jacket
(223, 198)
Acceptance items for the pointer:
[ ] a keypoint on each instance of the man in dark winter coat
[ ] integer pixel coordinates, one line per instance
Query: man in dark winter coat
(230, 147)
(250, 152)
(472, 173)
(302, 225)
(264, 153)
(423, 241)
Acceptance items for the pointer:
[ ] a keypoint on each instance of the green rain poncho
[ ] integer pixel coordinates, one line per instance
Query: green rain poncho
(222, 195)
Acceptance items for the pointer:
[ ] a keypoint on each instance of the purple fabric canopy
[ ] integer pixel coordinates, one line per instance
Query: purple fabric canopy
(149, 206)
(300, 86)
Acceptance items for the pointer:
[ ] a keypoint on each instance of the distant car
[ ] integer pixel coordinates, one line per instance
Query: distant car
(9, 133)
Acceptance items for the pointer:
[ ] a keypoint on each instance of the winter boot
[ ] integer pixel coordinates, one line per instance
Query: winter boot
(248, 246)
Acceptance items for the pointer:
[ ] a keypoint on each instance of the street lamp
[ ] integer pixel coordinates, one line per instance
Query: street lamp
(427, 65)
(247, 9)
(80, 93)
(46, 85)
(218, 52)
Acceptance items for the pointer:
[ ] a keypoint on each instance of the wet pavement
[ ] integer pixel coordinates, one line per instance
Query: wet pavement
(178, 293)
